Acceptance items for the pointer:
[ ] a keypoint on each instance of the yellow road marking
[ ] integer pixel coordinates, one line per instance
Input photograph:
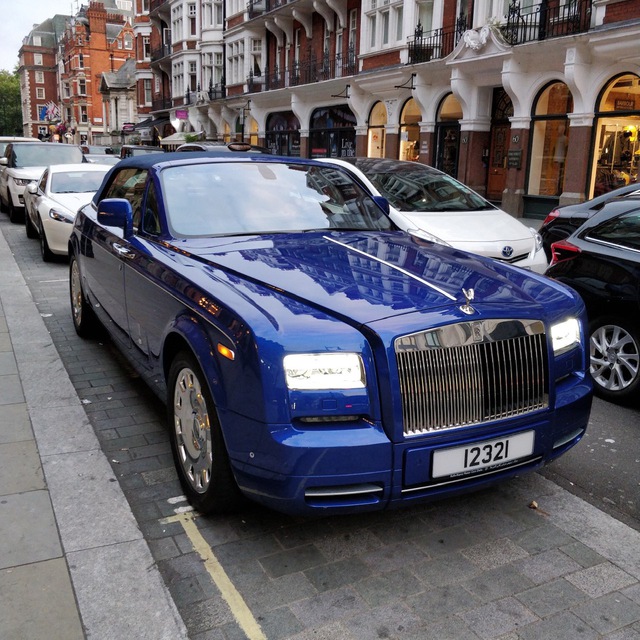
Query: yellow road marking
(229, 593)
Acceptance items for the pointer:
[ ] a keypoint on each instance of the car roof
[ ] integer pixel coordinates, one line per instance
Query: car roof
(78, 166)
(211, 145)
(389, 165)
(18, 139)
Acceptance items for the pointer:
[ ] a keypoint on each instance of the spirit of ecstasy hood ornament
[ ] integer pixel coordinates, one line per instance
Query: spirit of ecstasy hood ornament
(468, 297)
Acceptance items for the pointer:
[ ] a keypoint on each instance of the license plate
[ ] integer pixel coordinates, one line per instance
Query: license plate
(481, 455)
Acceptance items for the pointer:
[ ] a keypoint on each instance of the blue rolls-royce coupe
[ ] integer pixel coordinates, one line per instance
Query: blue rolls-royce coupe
(312, 356)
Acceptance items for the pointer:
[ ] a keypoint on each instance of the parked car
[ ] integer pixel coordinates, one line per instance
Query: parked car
(130, 150)
(222, 147)
(5, 140)
(563, 221)
(102, 159)
(97, 149)
(52, 202)
(24, 162)
(601, 261)
(313, 356)
(445, 211)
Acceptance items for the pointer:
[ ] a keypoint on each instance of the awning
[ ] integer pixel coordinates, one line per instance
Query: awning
(180, 138)
(151, 122)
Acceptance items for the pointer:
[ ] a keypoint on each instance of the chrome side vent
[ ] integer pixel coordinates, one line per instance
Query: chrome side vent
(470, 373)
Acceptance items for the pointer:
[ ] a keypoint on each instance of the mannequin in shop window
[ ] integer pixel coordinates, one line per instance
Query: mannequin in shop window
(559, 155)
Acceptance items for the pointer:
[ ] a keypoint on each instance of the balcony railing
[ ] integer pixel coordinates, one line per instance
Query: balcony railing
(161, 104)
(305, 72)
(547, 20)
(160, 52)
(435, 44)
(156, 4)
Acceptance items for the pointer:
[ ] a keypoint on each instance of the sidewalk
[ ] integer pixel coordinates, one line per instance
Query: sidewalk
(73, 562)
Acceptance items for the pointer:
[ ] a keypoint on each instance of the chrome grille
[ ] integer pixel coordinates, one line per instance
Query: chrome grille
(470, 373)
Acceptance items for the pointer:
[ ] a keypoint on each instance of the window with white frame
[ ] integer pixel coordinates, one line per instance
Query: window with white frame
(69, 114)
(146, 47)
(178, 78)
(66, 90)
(124, 5)
(218, 13)
(191, 12)
(40, 93)
(37, 59)
(177, 32)
(207, 13)
(236, 62)
(193, 75)
(425, 15)
(80, 61)
(145, 6)
(83, 114)
(256, 56)
(235, 6)
(128, 41)
(82, 87)
(37, 41)
(383, 24)
(147, 91)
(156, 83)
(218, 68)
(39, 77)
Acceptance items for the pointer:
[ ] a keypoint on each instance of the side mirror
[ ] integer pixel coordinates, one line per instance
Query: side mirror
(32, 188)
(116, 212)
(3, 161)
(382, 202)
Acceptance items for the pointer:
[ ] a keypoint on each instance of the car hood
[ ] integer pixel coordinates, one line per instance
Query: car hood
(472, 227)
(28, 173)
(71, 201)
(369, 276)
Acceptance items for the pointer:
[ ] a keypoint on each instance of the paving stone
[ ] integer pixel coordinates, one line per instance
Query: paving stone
(333, 606)
(394, 556)
(633, 592)
(498, 583)
(206, 615)
(10, 390)
(20, 467)
(446, 540)
(339, 545)
(387, 587)
(562, 626)
(601, 579)
(547, 566)
(542, 539)
(583, 555)
(552, 597)
(292, 560)
(337, 574)
(264, 594)
(497, 618)
(15, 425)
(391, 621)
(492, 554)
(449, 628)
(609, 613)
(330, 631)
(444, 570)
(440, 602)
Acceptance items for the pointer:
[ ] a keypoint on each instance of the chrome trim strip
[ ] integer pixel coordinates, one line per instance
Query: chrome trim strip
(342, 491)
(392, 266)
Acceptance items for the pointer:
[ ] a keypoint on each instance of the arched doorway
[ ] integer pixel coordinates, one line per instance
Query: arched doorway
(332, 132)
(548, 147)
(376, 133)
(501, 111)
(410, 130)
(616, 156)
(282, 134)
(448, 135)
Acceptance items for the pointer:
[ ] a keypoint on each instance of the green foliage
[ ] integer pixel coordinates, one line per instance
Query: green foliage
(10, 104)
(192, 137)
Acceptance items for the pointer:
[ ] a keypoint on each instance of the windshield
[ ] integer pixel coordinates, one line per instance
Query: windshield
(77, 181)
(414, 188)
(259, 197)
(42, 155)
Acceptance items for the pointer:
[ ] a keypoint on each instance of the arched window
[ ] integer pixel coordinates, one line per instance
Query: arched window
(549, 140)
(376, 134)
(448, 135)
(410, 130)
(616, 156)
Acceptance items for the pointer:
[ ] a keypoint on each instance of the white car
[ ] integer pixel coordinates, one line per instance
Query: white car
(51, 203)
(435, 206)
(25, 161)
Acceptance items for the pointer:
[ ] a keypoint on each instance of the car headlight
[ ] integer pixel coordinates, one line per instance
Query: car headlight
(565, 335)
(22, 182)
(425, 235)
(60, 216)
(538, 238)
(324, 371)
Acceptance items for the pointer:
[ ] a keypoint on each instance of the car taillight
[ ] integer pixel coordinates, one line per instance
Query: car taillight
(563, 250)
(552, 215)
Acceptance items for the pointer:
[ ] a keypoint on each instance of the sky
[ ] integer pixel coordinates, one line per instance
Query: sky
(18, 19)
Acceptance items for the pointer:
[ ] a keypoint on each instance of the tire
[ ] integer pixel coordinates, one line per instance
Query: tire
(32, 232)
(3, 206)
(15, 215)
(198, 447)
(615, 360)
(47, 255)
(84, 319)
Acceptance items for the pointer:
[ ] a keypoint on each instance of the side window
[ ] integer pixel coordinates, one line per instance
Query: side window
(623, 231)
(150, 220)
(129, 184)
(43, 181)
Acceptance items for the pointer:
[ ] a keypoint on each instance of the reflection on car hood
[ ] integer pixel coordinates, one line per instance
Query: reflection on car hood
(369, 276)
(72, 201)
(459, 227)
(28, 173)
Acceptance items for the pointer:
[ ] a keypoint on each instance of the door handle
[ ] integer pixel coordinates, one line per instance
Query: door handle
(123, 251)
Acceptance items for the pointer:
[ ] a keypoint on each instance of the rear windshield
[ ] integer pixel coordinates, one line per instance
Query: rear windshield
(77, 181)
(42, 155)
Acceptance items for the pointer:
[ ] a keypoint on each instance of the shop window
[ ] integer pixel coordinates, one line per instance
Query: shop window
(282, 134)
(550, 140)
(616, 155)
(410, 131)
(376, 133)
(332, 132)
(448, 135)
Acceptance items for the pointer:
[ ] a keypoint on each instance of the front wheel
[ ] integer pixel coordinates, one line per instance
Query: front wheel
(615, 360)
(32, 232)
(196, 439)
(15, 214)
(84, 319)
